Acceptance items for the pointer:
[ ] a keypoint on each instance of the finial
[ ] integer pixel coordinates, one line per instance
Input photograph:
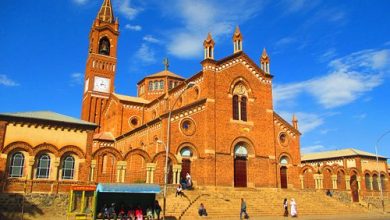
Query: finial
(295, 121)
(264, 54)
(166, 63)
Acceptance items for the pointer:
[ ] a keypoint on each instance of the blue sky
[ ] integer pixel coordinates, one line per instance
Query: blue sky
(330, 59)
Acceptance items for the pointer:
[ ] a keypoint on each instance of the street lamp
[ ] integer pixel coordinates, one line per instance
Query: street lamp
(188, 85)
(377, 166)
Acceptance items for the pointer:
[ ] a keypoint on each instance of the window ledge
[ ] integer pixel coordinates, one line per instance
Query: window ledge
(247, 123)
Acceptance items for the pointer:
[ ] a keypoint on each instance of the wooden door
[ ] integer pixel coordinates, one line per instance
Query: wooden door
(185, 168)
(354, 189)
(240, 172)
(283, 177)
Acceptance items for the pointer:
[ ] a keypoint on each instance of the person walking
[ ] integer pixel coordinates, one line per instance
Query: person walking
(285, 207)
(293, 205)
(243, 209)
(157, 210)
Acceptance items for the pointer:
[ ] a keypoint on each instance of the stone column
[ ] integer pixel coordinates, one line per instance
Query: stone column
(30, 165)
(347, 182)
(302, 181)
(379, 183)
(123, 172)
(316, 182)
(334, 181)
(358, 179)
(321, 181)
(118, 171)
(93, 165)
(150, 168)
(176, 173)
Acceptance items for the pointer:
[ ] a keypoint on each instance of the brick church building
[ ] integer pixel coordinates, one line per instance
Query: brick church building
(219, 126)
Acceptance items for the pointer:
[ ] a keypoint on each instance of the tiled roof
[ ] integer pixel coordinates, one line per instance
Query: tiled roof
(47, 116)
(104, 136)
(165, 73)
(131, 99)
(337, 153)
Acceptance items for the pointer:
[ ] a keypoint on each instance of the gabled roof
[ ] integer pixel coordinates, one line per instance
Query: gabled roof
(131, 98)
(46, 116)
(338, 153)
(105, 136)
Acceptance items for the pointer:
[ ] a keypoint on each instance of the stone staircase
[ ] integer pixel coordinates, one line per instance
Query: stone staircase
(225, 202)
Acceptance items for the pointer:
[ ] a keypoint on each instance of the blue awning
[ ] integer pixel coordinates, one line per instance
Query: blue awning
(127, 188)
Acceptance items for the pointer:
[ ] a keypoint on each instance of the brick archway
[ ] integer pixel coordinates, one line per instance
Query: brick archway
(71, 149)
(46, 147)
(18, 145)
(136, 161)
(308, 178)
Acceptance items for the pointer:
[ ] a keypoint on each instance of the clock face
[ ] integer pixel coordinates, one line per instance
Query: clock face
(101, 84)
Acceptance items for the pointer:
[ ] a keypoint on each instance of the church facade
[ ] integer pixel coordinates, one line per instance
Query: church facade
(218, 125)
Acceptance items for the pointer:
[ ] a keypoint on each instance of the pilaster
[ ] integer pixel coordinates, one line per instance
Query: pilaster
(334, 181)
(301, 178)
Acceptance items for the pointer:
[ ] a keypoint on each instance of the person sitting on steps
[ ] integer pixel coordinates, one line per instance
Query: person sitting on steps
(202, 210)
(179, 191)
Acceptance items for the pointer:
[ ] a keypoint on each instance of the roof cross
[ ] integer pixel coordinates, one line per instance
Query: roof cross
(166, 63)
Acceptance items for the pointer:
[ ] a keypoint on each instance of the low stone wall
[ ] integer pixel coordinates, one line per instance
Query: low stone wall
(32, 205)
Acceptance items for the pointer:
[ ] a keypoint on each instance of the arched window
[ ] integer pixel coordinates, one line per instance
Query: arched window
(284, 161)
(16, 165)
(240, 150)
(43, 168)
(243, 108)
(235, 107)
(150, 86)
(383, 182)
(155, 85)
(375, 185)
(186, 152)
(367, 181)
(68, 168)
(104, 46)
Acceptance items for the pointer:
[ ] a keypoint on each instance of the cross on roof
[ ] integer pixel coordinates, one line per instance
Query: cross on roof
(166, 63)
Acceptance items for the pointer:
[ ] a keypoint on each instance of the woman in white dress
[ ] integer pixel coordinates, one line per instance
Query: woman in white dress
(293, 208)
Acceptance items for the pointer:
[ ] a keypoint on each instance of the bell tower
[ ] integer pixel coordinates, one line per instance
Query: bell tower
(101, 63)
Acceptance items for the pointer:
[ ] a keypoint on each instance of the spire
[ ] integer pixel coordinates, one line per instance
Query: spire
(295, 121)
(208, 45)
(264, 62)
(106, 13)
(237, 40)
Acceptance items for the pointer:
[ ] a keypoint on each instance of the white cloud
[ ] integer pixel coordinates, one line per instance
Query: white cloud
(329, 54)
(76, 79)
(306, 121)
(80, 2)
(151, 39)
(145, 54)
(197, 18)
(298, 5)
(5, 81)
(284, 41)
(133, 27)
(349, 78)
(313, 148)
(360, 116)
(126, 9)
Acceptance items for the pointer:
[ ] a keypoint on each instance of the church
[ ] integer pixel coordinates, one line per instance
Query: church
(218, 125)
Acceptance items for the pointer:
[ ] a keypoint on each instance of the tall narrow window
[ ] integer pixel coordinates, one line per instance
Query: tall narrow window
(68, 168)
(375, 185)
(17, 165)
(155, 83)
(243, 108)
(161, 84)
(150, 86)
(43, 169)
(367, 181)
(235, 108)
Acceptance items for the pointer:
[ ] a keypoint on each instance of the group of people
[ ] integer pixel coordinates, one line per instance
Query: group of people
(293, 209)
(129, 213)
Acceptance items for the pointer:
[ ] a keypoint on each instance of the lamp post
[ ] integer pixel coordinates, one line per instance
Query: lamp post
(377, 167)
(188, 85)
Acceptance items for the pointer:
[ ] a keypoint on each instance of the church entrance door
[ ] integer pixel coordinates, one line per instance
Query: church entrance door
(283, 177)
(354, 189)
(185, 168)
(240, 172)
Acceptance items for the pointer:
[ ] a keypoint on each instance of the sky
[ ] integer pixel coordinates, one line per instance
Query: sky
(330, 59)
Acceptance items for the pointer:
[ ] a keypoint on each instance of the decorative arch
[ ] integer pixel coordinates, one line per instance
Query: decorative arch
(140, 152)
(18, 145)
(250, 146)
(327, 167)
(237, 81)
(71, 149)
(194, 150)
(306, 167)
(374, 172)
(285, 154)
(111, 150)
(307, 173)
(367, 172)
(340, 172)
(170, 156)
(104, 46)
(354, 171)
(327, 175)
(46, 147)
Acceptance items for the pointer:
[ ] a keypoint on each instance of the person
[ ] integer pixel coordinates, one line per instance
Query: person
(202, 210)
(183, 183)
(243, 209)
(138, 213)
(122, 212)
(329, 193)
(179, 191)
(149, 213)
(157, 210)
(130, 213)
(293, 208)
(189, 181)
(285, 206)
